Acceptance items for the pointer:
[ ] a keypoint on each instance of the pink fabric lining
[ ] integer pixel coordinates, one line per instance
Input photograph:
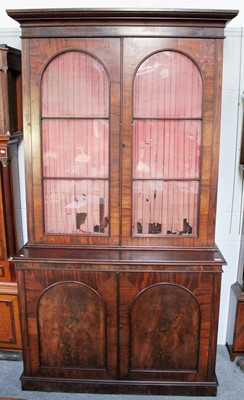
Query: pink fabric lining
(76, 207)
(166, 145)
(75, 148)
(75, 145)
(167, 85)
(75, 84)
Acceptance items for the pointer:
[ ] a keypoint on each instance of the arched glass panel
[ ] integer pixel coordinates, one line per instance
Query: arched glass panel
(75, 145)
(166, 145)
(75, 84)
(167, 85)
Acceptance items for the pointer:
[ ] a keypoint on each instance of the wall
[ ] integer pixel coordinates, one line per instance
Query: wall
(230, 189)
(230, 185)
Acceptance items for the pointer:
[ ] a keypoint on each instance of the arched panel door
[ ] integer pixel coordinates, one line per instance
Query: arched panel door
(72, 325)
(164, 329)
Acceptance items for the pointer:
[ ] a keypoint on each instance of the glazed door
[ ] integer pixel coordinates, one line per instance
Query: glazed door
(166, 325)
(160, 115)
(71, 320)
(73, 142)
(168, 134)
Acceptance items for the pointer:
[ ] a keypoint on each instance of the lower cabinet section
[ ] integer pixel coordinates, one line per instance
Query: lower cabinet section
(145, 329)
(10, 337)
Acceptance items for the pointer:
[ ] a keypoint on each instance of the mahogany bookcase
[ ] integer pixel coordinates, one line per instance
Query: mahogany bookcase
(120, 279)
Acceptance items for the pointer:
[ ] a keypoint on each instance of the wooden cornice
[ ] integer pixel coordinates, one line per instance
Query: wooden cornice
(163, 16)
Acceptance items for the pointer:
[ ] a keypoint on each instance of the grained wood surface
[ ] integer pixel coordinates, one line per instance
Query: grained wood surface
(165, 323)
(121, 60)
(72, 327)
(145, 307)
(117, 255)
(145, 321)
(10, 336)
(195, 344)
(73, 319)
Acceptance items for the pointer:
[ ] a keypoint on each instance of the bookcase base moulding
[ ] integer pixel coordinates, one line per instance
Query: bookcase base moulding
(119, 284)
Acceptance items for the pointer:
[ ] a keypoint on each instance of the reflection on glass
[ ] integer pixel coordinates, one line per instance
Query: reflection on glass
(168, 84)
(75, 148)
(166, 149)
(76, 207)
(74, 84)
(165, 207)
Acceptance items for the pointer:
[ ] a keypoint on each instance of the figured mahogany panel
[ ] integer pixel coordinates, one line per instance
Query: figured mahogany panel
(145, 54)
(71, 320)
(72, 327)
(132, 292)
(168, 323)
(165, 323)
